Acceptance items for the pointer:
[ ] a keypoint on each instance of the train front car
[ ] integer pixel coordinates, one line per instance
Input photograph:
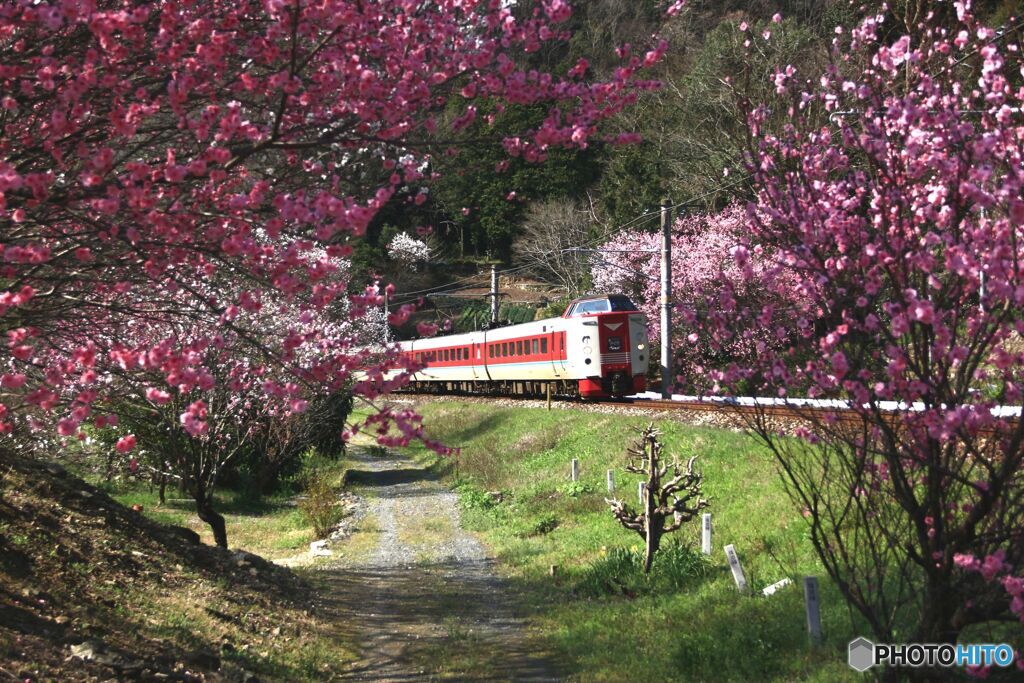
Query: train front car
(608, 338)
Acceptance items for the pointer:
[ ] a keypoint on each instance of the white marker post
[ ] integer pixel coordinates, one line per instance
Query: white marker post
(737, 569)
(775, 587)
(611, 481)
(812, 600)
(705, 533)
(574, 471)
(640, 492)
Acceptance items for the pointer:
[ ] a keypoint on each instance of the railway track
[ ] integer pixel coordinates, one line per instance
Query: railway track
(728, 409)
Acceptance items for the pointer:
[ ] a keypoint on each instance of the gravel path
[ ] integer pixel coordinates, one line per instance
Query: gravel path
(426, 603)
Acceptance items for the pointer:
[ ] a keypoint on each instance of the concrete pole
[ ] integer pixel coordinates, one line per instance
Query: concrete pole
(494, 294)
(666, 298)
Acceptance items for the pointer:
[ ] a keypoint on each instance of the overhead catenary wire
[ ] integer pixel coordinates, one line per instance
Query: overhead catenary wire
(409, 297)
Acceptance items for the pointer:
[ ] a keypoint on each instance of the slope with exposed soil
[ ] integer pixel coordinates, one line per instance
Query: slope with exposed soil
(92, 590)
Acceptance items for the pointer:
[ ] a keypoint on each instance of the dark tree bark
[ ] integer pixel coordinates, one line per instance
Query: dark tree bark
(216, 521)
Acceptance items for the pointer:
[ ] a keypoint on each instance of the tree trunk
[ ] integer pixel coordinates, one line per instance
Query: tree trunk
(653, 529)
(649, 552)
(163, 489)
(214, 519)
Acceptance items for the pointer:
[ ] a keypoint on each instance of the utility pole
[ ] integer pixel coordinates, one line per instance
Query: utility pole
(666, 298)
(494, 294)
(387, 323)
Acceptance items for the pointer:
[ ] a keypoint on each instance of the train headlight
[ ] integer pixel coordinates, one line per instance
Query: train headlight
(587, 350)
(640, 347)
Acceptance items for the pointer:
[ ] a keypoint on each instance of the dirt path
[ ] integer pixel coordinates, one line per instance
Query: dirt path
(425, 600)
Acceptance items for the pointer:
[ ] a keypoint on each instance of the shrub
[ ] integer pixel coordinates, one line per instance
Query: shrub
(473, 498)
(320, 504)
(575, 489)
(544, 525)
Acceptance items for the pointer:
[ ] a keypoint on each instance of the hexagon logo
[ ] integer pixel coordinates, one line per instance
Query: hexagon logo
(862, 654)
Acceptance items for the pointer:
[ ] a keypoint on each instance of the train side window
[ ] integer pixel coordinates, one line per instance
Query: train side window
(479, 353)
(535, 345)
(465, 353)
(544, 345)
(504, 349)
(519, 348)
(490, 351)
(447, 354)
(458, 354)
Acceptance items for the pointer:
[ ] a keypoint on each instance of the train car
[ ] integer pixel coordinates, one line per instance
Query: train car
(597, 349)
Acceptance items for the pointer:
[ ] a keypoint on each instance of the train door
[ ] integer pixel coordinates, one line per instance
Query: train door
(486, 374)
(556, 344)
(549, 350)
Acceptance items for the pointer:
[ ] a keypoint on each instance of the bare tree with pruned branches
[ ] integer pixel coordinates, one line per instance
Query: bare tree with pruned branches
(679, 497)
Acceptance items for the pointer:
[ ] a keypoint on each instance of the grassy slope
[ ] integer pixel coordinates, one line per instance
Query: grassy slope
(75, 565)
(272, 527)
(707, 632)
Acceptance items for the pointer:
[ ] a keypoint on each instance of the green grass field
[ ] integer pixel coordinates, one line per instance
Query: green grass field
(271, 526)
(698, 628)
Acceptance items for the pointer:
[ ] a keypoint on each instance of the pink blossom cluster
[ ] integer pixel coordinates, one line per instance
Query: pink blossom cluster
(710, 261)
(168, 170)
(890, 211)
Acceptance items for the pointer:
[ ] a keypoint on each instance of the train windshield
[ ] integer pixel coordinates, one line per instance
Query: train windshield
(605, 304)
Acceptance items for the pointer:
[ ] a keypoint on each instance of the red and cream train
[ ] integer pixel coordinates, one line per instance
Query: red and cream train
(598, 348)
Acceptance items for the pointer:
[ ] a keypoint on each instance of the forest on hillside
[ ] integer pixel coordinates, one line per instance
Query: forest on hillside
(479, 206)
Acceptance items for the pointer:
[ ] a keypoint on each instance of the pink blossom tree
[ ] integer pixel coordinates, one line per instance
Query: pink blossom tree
(704, 246)
(185, 162)
(892, 204)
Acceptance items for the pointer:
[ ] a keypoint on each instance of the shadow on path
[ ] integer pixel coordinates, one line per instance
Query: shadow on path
(437, 621)
(404, 475)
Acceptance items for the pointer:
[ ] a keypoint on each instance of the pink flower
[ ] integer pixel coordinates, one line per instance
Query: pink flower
(125, 444)
(157, 396)
(839, 365)
(13, 380)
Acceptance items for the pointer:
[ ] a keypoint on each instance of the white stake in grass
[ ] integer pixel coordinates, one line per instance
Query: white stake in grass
(611, 481)
(574, 471)
(775, 587)
(705, 533)
(737, 569)
(812, 600)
